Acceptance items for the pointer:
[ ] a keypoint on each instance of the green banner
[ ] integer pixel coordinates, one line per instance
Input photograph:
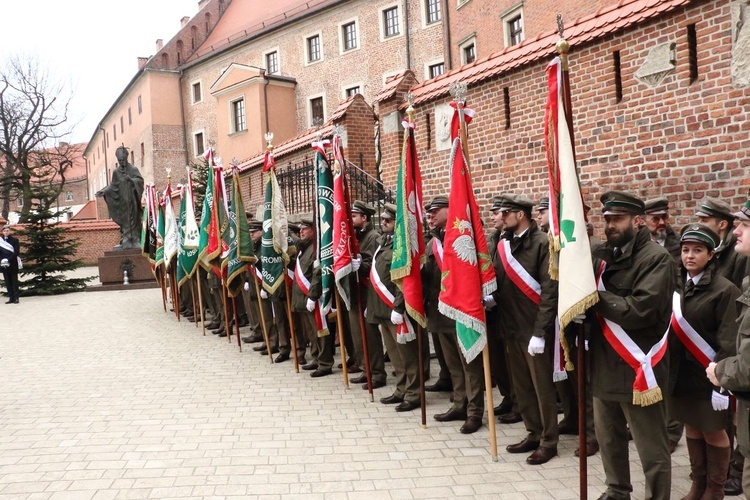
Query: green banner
(237, 238)
(274, 242)
(324, 232)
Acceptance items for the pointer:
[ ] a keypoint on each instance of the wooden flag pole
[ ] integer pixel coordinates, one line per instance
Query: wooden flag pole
(340, 330)
(236, 322)
(420, 360)
(292, 333)
(192, 295)
(227, 326)
(200, 301)
(490, 403)
(175, 292)
(262, 318)
(160, 279)
(365, 349)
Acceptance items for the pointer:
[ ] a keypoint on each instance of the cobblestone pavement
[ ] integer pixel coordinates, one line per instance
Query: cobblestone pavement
(106, 396)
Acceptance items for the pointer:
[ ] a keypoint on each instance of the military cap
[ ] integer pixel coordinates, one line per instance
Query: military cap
(621, 203)
(255, 225)
(543, 203)
(249, 215)
(439, 201)
(712, 207)
(389, 211)
(744, 213)
(306, 222)
(293, 227)
(658, 206)
(496, 201)
(515, 202)
(361, 207)
(699, 233)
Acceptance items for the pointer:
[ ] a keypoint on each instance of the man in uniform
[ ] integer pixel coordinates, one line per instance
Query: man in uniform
(9, 252)
(306, 291)
(385, 307)
(542, 214)
(467, 379)
(636, 281)
(368, 240)
(528, 298)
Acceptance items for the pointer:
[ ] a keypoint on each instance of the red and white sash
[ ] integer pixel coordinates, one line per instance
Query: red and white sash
(7, 246)
(646, 391)
(405, 331)
(304, 285)
(437, 251)
(517, 274)
(691, 339)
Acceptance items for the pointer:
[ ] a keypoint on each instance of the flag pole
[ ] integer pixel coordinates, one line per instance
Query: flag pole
(227, 327)
(236, 322)
(262, 317)
(191, 286)
(200, 299)
(458, 91)
(160, 279)
(340, 331)
(292, 333)
(365, 350)
(420, 360)
(173, 287)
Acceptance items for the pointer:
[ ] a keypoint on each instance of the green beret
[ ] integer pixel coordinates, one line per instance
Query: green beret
(658, 206)
(622, 203)
(712, 207)
(699, 233)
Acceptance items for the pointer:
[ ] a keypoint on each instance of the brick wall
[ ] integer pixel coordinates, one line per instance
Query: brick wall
(95, 238)
(680, 139)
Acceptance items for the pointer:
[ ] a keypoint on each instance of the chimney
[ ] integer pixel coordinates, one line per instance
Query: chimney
(159, 44)
(142, 62)
(184, 21)
(202, 3)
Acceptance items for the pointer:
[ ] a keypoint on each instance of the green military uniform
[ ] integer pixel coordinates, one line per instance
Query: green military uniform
(444, 375)
(520, 319)
(639, 281)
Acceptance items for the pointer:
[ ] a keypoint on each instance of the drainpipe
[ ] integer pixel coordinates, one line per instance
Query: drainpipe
(446, 37)
(104, 142)
(406, 35)
(184, 120)
(266, 81)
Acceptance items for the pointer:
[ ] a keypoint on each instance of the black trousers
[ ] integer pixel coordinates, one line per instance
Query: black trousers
(10, 276)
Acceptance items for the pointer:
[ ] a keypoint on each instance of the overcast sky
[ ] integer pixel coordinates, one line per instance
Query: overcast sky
(92, 45)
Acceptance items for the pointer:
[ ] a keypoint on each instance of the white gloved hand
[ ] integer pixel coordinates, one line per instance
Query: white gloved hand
(356, 262)
(489, 302)
(263, 294)
(719, 401)
(579, 319)
(4, 263)
(310, 305)
(536, 345)
(396, 318)
(247, 286)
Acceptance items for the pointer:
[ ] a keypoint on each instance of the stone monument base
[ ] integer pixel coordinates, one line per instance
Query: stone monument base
(114, 262)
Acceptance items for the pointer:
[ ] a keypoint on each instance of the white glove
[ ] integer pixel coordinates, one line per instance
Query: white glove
(356, 262)
(247, 286)
(263, 294)
(4, 263)
(489, 302)
(536, 345)
(396, 318)
(310, 305)
(579, 319)
(719, 401)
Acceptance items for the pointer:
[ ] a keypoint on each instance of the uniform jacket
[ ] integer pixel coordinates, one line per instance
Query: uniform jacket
(734, 372)
(11, 256)
(731, 265)
(368, 239)
(638, 297)
(710, 308)
(519, 317)
(377, 311)
(306, 256)
(672, 245)
(431, 277)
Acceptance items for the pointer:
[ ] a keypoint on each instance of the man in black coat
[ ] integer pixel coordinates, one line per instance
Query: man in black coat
(9, 252)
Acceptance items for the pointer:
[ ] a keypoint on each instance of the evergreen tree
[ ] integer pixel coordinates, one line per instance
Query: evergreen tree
(46, 251)
(200, 178)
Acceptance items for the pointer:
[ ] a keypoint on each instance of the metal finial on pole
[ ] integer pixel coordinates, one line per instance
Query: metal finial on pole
(458, 91)
(269, 140)
(562, 46)
(338, 130)
(409, 98)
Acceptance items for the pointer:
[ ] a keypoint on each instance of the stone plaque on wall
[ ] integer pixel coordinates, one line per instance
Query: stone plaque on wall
(391, 123)
(443, 116)
(659, 63)
(740, 43)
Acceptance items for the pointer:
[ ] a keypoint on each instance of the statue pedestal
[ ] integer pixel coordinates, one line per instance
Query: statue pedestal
(113, 263)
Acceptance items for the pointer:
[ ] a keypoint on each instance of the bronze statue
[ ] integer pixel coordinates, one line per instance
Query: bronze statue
(123, 198)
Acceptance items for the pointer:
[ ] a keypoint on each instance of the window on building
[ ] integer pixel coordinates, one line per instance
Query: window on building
(140, 105)
(143, 154)
(122, 125)
(69, 196)
(114, 132)
(238, 115)
(130, 116)
(390, 22)
(468, 53)
(272, 62)
(313, 48)
(349, 35)
(435, 70)
(197, 93)
(352, 91)
(433, 10)
(199, 144)
(316, 110)
(515, 30)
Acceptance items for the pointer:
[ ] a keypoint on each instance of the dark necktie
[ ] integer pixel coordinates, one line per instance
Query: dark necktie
(689, 284)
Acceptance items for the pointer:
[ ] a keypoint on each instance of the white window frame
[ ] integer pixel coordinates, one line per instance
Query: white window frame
(425, 24)
(464, 44)
(432, 63)
(507, 16)
(278, 60)
(340, 30)
(69, 196)
(195, 142)
(381, 23)
(351, 86)
(310, 99)
(306, 53)
(232, 117)
(192, 91)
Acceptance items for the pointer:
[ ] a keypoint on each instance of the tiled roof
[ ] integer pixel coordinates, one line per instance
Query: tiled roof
(606, 21)
(305, 139)
(87, 212)
(90, 225)
(391, 85)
